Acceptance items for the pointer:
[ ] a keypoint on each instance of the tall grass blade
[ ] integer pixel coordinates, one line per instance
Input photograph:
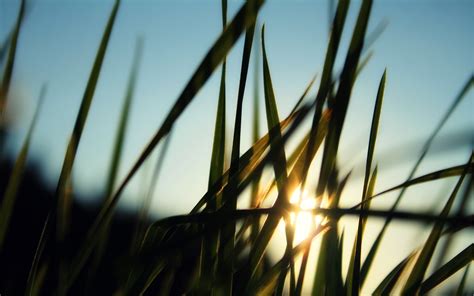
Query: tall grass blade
(244, 18)
(228, 234)
(451, 267)
(267, 284)
(210, 243)
(388, 283)
(461, 209)
(341, 101)
(460, 289)
(33, 276)
(5, 45)
(416, 276)
(353, 274)
(353, 280)
(254, 195)
(63, 206)
(13, 185)
(326, 80)
(328, 274)
(373, 250)
(145, 209)
(7, 75)
(279, 163)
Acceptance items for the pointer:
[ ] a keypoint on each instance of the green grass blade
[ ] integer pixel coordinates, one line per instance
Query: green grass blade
(210, 243)
(144, 211)
(9, 197)
(353, 280)
(244, 18)
(373, 250)
(117, 155)
(279, 164)
(227, 239)
(268, 282)
(341, 101)
(441, 174)
(461, 209)
(326, 80)
(63, 205)
(82, 117)
(416, 276)
(123, 122)
(460, 289)
(33, 275)
(328, 275)
(385, 287)
(5, 45)
(7, 75)
(451, 267)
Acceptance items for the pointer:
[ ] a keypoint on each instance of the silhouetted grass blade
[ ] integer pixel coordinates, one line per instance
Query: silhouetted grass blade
(244, 18)
(451, 267)
(416, 276)
(7, 74)
(14, 182)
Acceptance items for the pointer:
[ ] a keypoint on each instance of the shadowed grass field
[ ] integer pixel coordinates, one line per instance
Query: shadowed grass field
(222, 247)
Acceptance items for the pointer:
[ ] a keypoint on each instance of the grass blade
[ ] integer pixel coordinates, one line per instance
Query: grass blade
(244, 18)
(461, 208)
(385, 287)
(328, 275)
(326, 80)
(7, 75)
(9, 197)
(460, 289)
(279, 165)
(416, 277)
(210, 243)
(451, 267)
(373, 250)
(341, 101)
(353, 280)
(227, 242)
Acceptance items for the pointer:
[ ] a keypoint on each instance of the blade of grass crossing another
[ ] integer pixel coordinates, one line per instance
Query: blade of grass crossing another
(226, 246)
(416, 276)
(326, 80)
(388, 283)
(451, 267)
(460, 289)
(210, 243)
(328, 274)
(62, 212)
(373, 250)
(353, 274)
(244, 18)
(341, 101)
(13, 185)
(353, 277)
(279, 162)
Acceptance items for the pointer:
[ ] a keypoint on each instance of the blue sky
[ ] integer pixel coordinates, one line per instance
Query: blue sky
(427, 49)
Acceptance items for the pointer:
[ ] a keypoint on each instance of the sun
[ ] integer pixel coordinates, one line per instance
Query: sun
(304, 222)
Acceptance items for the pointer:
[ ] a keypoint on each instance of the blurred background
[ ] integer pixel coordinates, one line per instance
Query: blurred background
(427, 48)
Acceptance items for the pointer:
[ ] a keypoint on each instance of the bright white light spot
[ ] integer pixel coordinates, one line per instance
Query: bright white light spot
(304, 222)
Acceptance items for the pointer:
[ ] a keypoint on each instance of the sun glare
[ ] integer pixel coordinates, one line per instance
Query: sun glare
(304, 222)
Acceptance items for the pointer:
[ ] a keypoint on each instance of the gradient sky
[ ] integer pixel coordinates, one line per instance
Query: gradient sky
(427, 49)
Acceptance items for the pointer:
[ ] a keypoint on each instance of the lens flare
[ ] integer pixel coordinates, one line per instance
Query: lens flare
(304, 221)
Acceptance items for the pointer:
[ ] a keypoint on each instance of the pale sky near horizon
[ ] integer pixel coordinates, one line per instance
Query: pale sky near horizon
(427, 49)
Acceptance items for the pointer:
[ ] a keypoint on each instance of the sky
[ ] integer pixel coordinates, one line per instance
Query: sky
(427, 49)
